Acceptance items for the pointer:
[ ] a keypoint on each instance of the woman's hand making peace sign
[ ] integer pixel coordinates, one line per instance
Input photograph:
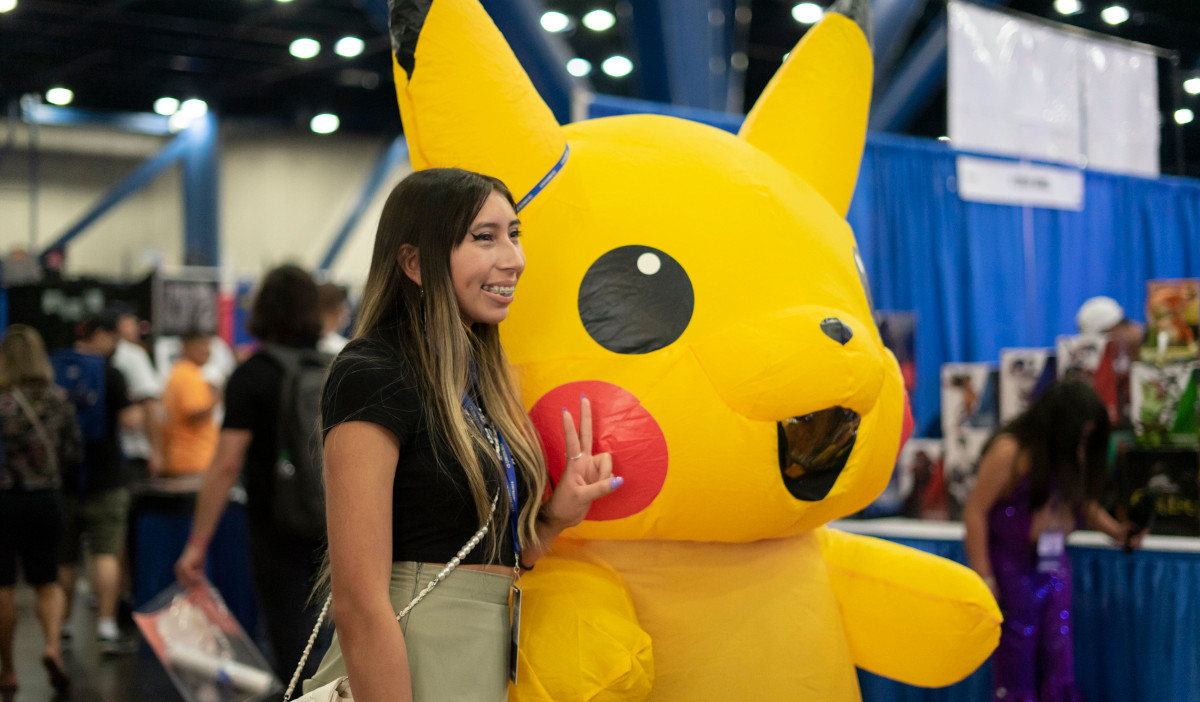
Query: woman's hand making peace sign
(586, 478)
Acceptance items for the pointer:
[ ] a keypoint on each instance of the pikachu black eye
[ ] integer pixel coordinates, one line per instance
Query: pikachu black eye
(635, 299)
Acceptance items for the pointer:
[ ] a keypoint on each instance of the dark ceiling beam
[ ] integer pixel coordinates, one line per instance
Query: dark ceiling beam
(917, 79)
(894, 24)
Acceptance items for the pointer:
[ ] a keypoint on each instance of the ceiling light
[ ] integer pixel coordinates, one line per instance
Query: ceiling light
(599, 20)
(325, 123)
(617, 66)
(1184, 116)
(283, 0)
(1191, 86)
(193, 108)
(166, 106)
(59, 96)
(349, 47)
(8, 5)
(1114, 14)
(943, 138)
(1068, 7)
(555, 22)
(305, 48)
(807, 13)
(579, 67)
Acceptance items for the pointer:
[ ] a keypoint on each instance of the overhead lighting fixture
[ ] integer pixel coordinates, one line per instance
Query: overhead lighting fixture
(555, 22)
(166, 106)
(943, 138)
(579, 67)
(349, 47)
(305, 48)
(8, 5)
(1191, 86)
(1184, 116)
(599, 20)
(1114, 14)
(193, 108)
(1068, 7)
(283, 1)
(59, 96)
(807, 13)
(617, 66)
(325, 123)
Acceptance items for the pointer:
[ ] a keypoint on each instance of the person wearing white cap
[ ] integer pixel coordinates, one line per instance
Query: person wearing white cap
(1098, 315)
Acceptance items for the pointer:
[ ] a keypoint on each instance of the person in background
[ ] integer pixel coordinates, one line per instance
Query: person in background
(141, 445)
(335, 315)
(40, 434)
(189, 432)
(1038, 477)
(283, 568)
(96, 495)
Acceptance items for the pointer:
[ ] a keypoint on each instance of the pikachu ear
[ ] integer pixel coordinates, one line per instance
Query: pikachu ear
(464, 99)
(812, 117)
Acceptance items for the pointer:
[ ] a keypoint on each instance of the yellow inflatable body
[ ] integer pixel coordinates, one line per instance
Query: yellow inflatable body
(704, 290)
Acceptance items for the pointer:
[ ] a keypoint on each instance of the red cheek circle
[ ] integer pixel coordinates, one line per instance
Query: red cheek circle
(621, 427)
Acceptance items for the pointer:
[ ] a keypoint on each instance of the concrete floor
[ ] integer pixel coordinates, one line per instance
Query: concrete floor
(133, 677)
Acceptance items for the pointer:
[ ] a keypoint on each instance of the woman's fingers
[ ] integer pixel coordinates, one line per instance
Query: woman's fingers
(585, 424)
(571, 436)
(603, 462)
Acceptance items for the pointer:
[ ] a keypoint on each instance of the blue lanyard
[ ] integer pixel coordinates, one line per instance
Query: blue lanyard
(510, 468)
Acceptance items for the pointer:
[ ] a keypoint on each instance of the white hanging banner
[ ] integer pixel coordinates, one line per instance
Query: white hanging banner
(1000, 182)
(1121, 102)
(1013, 86)
(1017, 87)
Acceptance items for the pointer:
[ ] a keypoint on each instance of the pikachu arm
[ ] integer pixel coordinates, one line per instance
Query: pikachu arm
(580, 639)
(909, 615)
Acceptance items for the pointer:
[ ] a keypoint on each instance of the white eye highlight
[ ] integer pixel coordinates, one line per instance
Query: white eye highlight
(649, 264)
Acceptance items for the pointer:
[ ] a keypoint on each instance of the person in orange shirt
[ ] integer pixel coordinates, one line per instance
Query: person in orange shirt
(189, 432)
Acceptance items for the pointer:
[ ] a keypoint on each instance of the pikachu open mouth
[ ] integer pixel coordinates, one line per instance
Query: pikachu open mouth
(813, 450)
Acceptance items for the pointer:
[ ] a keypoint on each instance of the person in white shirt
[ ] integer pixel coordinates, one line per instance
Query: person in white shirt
(335, 316)
(142, 445)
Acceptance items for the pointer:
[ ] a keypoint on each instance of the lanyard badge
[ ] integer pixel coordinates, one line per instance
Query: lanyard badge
(496, 439)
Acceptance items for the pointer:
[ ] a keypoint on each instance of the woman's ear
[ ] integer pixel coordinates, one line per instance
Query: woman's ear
(410, 262)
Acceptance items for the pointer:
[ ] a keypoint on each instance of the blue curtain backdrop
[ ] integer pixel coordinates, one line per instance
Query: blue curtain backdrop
(985, 277)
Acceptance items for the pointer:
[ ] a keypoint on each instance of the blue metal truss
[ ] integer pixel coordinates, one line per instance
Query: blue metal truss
(195, 148)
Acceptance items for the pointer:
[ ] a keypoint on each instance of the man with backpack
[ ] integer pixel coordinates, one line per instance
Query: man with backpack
(96, 493)
(270, 434)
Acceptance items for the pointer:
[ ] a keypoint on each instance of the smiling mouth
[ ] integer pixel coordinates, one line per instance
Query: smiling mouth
(813, 450)
(501, 290)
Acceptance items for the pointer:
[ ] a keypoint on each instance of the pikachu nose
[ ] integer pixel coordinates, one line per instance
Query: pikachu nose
(837, 330)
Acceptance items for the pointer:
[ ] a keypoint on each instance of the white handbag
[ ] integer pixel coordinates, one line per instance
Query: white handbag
(339, 689)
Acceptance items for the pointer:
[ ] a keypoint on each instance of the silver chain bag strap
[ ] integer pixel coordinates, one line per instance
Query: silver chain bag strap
(339, 690)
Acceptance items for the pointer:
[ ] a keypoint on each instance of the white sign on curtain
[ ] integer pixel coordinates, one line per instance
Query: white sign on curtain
(1013, 86)
(1121, 104)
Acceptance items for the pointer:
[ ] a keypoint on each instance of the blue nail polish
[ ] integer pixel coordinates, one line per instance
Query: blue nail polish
(583, 397)
(616, 482)
(564, 410)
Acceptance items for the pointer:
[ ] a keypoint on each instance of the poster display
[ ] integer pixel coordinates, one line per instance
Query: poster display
(1024, 374)
(970, 415)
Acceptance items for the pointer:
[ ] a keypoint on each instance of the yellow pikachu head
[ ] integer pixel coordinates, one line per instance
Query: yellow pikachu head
(703, 289)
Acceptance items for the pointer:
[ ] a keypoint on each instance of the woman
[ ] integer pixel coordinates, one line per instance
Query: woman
(40, 435)
(284, 566)
(420, 412)
(1037, 478)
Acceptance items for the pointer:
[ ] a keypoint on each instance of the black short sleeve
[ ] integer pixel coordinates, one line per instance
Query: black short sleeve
(369, 382)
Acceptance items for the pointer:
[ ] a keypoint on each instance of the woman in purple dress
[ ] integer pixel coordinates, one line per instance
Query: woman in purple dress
(1038, 478)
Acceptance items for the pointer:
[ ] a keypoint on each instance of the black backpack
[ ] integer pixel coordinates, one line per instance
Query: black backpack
(297, 493)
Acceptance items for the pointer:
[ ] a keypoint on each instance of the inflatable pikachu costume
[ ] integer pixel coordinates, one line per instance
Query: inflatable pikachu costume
(705, 292)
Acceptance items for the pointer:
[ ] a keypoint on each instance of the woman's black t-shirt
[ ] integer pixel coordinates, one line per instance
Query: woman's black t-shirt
(433, 513)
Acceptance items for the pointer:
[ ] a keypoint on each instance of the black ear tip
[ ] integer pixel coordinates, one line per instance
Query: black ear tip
(860, 12)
